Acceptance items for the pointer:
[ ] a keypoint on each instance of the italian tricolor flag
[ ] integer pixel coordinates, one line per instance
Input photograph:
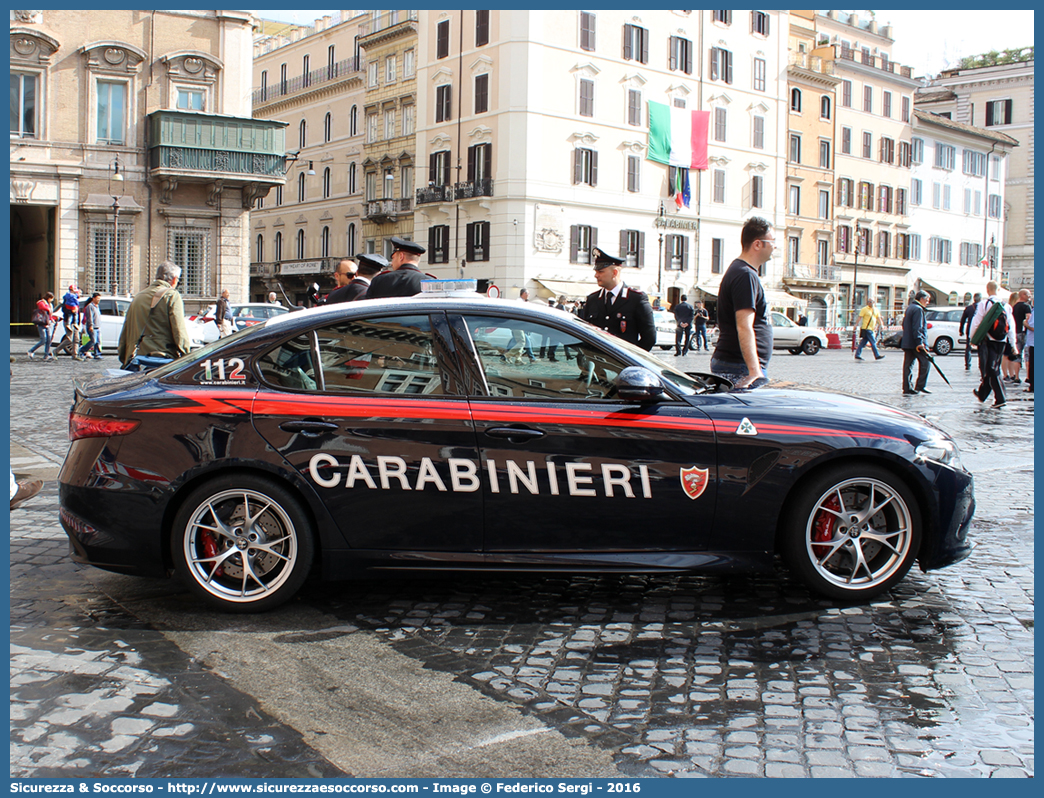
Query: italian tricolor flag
(677, 136)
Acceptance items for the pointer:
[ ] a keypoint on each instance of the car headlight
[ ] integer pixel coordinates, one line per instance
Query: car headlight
(939, 450)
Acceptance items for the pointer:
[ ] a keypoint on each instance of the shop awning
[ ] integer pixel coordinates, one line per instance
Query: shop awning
(710, 289)
(777, 299)
(569, 288)
(945, 290)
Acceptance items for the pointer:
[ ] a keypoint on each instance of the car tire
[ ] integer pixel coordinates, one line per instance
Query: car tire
(233, 515)
(837, 546)
(794, 350)
(664, 348)
(942, 346)
(810, 346)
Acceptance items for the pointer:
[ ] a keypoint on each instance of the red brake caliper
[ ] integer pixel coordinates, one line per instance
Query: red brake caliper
(824, 525)
(210, 549)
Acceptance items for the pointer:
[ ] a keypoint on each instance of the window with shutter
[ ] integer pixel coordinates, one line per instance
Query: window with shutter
(481, 94)
(442, 39)
(634, 107)
(586, 97)
(759, 23)
(587, 30)
(759, 132)
(481, 31)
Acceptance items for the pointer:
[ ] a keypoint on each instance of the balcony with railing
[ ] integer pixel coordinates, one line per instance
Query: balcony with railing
(341, 70)
(813, 63)
(474, 188)
(224, 151)
(387, 210)
(457, 191)
(811, 272)
(430, 194)
(882, 62)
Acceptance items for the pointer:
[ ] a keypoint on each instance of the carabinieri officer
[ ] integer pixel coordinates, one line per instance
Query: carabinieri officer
(404, 278)
(622, 311)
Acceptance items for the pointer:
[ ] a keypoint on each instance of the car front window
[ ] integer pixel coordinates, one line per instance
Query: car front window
(528, 359)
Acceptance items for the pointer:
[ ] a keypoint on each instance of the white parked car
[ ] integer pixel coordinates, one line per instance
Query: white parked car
(203, 327)
(113, 311)
(943, 322)
(664, 328)
(795, 339)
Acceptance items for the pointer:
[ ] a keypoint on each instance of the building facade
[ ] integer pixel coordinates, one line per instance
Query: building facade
(132, 143)
(808, 241)
(520, 177)
(312, 81)
(871, 166)
(998, 98)
(390, 120)
(956, 206)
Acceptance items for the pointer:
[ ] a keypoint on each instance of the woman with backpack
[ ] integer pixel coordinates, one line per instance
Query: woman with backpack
(42, 319)
(999, 331)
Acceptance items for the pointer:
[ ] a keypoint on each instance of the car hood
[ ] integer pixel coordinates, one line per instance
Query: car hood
(815, 404)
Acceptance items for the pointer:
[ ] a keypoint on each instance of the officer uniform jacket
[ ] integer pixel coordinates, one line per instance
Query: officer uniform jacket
(630, 316)
(356, 289)
(404, 281)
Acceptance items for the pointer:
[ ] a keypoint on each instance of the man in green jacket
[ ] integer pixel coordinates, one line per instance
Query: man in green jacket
(159, 311)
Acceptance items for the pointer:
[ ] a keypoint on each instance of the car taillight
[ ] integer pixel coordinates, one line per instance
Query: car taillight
(81, 426)
(929, 325)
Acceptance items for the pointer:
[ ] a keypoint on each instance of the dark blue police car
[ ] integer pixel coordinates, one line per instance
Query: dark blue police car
(456, 432)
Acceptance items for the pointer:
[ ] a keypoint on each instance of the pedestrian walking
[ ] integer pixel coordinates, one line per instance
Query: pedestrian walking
(43, 315)
(92, 326)
(965, 329)
(699, 322)
(617, 308)
(869, 325)
(914, 344)
(683, 316)
(404, 277)
(223, 316)
(998, 337)
(744, 345)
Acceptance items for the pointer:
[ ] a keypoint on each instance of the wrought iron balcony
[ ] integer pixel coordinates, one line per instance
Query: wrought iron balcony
(430, 194)
(223, 151)
(474, 188)
(812, 271)
(387, 210)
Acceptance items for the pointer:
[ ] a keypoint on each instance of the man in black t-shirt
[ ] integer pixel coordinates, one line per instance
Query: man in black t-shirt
(744, 331)
(1020, 312)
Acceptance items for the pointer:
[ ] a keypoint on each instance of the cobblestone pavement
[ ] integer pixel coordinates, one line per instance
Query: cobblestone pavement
(684, 676)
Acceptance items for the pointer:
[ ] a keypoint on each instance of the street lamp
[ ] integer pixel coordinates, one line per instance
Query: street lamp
(855, 279)
(311, 170)
(659, 266)
(115, 177)
(389, 184)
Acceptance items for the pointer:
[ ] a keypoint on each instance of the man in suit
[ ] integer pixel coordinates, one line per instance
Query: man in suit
(404, 278)
(619, 310)
(915, 344)
(683, 316)
(370, 265)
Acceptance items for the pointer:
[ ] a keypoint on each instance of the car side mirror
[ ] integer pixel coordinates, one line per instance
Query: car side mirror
(638, 384)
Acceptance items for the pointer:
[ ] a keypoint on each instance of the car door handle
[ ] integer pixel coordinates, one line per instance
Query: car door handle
(308, 427)
(515, 434)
